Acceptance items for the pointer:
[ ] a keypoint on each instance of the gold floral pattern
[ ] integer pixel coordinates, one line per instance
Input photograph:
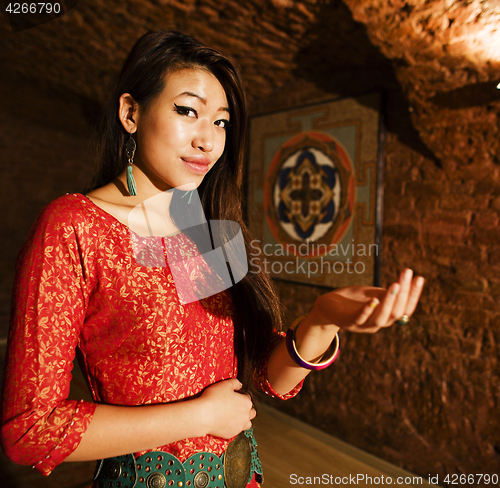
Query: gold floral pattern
(80, 285)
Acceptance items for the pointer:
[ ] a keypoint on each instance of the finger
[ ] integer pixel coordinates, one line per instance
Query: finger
(414, 295)
(384, 310)
(367, 311)
(400, 305)
(236, 384)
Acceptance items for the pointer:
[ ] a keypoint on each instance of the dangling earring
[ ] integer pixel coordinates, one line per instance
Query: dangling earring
(130, 148)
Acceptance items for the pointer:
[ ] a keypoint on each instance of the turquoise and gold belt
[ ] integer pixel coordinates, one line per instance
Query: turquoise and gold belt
(235, 468)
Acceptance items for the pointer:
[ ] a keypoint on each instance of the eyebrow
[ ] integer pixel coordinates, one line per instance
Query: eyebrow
(192, 94)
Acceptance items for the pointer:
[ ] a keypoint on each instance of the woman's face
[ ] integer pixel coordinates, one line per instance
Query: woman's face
(182, 133)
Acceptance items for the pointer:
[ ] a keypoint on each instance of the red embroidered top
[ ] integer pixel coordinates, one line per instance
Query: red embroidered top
(80, 284)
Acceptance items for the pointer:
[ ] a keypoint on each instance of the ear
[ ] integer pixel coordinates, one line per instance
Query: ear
(128, 112)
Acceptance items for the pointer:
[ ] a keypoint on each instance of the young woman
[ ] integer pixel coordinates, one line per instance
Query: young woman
(172, 381)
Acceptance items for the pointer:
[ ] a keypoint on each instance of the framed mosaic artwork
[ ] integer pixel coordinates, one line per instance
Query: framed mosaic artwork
(315, 192)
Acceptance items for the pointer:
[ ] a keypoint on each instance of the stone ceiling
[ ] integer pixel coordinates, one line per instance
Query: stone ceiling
(444, 55)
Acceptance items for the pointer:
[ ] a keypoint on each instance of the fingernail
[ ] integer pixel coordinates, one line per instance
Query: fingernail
(373, 303)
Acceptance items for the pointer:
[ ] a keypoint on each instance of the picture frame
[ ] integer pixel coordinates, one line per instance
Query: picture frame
(315, 192)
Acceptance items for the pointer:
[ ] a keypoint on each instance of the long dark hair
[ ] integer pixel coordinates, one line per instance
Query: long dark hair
(257, 306)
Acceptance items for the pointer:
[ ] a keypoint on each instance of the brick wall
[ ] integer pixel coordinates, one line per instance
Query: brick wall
(426, 396)
(44, 139)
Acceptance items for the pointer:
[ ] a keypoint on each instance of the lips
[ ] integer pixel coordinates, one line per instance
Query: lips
(197, 164)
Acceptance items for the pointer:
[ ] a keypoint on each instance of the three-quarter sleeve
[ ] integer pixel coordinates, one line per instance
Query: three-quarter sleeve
(40, 426)
(261, 379)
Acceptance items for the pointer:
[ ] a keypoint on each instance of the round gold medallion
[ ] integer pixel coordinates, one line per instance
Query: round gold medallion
(238, 462)
(201, 480)
(156, 480)
(113, 469)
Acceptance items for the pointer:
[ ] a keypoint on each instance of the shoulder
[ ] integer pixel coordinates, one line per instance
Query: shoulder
(71, 203)
(60, 224)
(71, 208)
(62, 219)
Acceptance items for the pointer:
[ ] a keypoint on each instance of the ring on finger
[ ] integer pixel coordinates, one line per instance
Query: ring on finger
(403, 320)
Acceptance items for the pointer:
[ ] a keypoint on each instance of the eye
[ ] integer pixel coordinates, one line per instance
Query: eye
(223, 123)
(186, 111)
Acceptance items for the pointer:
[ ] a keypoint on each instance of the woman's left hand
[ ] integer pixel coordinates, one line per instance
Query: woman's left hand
(368, 309)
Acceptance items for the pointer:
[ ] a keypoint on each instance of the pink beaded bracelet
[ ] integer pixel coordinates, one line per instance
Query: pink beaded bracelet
(330, 355)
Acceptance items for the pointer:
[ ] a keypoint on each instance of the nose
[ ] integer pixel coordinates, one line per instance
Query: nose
(204, 137)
